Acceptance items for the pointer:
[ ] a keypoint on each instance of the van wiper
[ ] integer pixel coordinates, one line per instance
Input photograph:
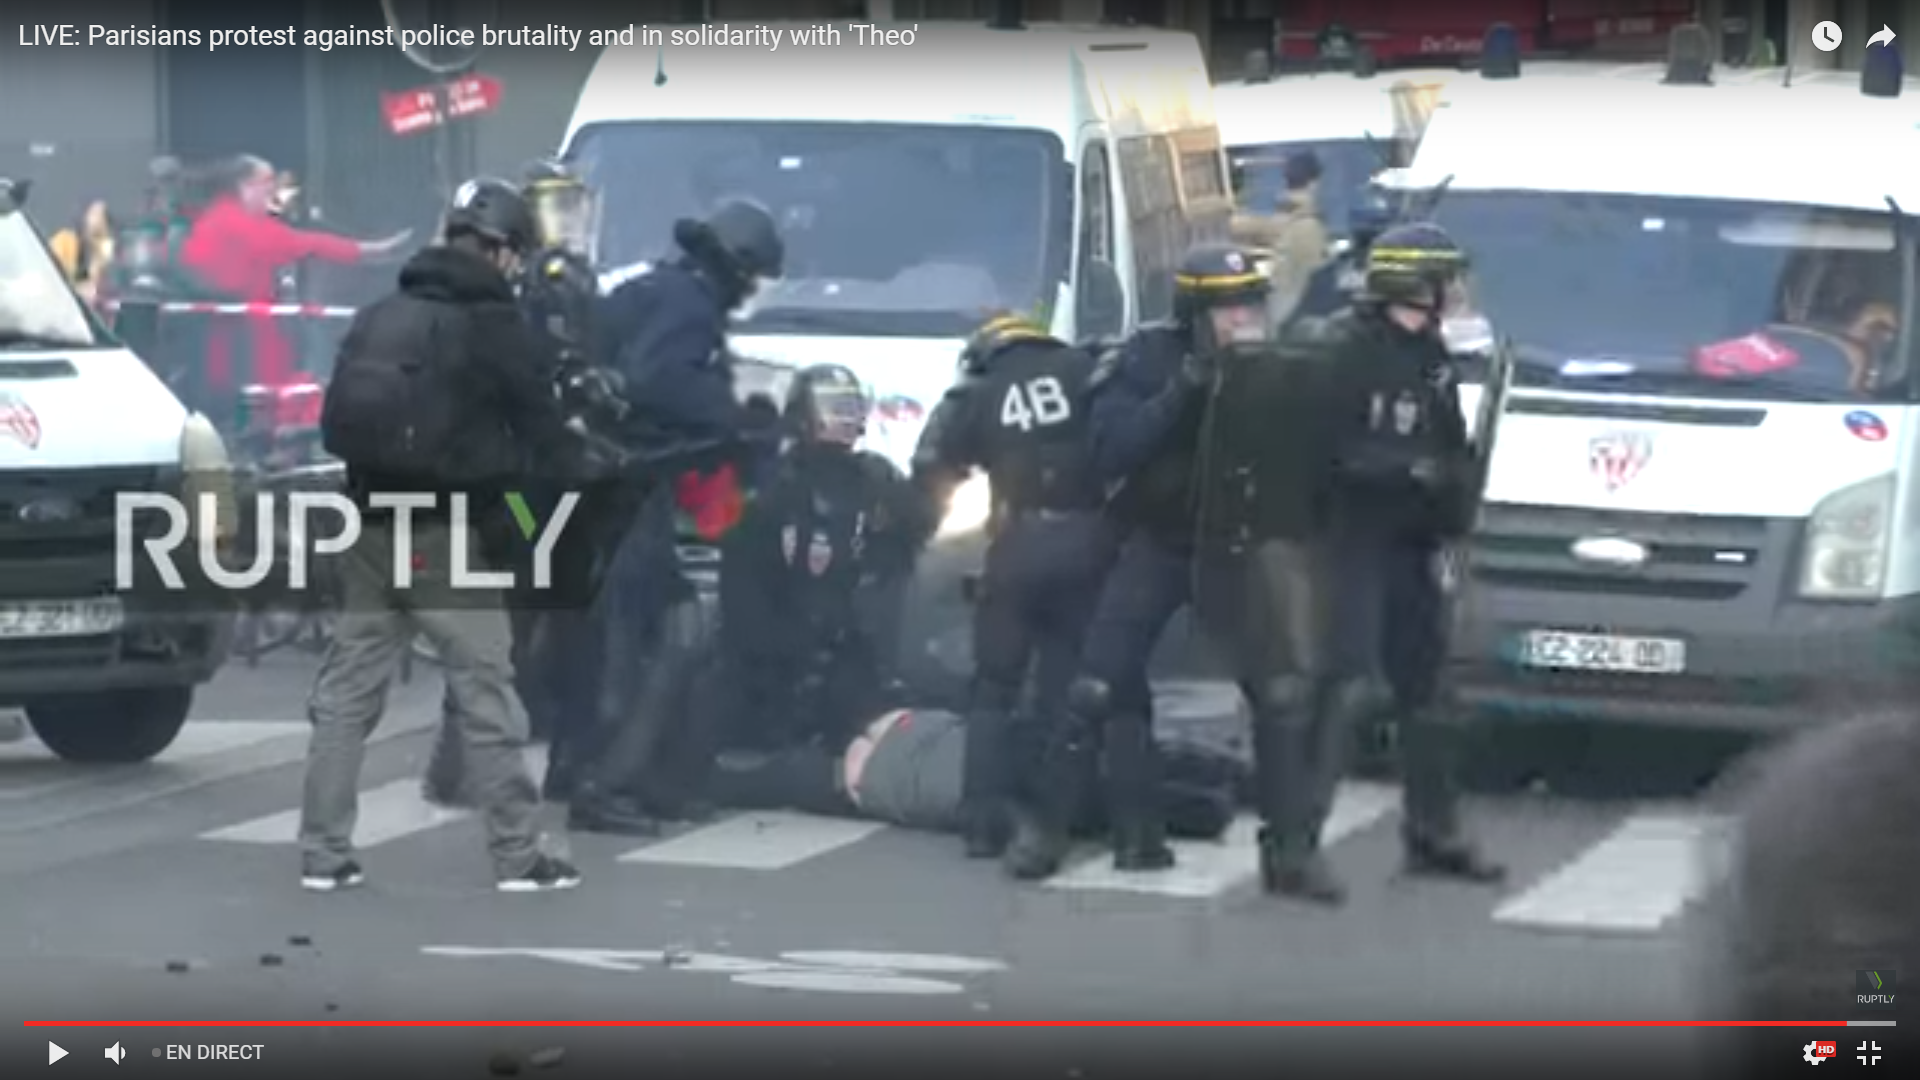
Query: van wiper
(1696, 385)
(1546, 367)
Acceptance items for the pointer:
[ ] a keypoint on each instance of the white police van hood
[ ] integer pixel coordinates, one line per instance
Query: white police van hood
(1783, 465)
(907, 377)
(88, 408)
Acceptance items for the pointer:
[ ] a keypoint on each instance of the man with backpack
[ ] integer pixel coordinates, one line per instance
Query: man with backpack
(436, 395)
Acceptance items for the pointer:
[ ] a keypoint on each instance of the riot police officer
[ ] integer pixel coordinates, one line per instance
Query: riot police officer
(1400, 486)
(1148, 407)
(799, 659)
(666, 333)
(559, 292)
(1020, 412)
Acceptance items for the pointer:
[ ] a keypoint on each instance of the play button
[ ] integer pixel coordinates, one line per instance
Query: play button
(54, 1053)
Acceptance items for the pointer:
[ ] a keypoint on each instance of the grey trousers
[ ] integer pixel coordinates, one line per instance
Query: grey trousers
(377, 624)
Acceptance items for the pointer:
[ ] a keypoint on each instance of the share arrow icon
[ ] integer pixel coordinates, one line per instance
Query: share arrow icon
(1884, 37)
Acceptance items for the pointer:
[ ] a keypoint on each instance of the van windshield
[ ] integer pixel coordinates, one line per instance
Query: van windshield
(900, 230)
(37, 309)
(1347, 168)
(1696, 296)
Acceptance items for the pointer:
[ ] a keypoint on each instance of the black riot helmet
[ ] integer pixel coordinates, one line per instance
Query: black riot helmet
(1416, 266)
(994, 336)
(827, 403)
(1220, 297)
(566, 211)
(738, 244)
(493, 211)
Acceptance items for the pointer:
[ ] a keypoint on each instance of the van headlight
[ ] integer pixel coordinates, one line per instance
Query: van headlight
(969, 508)
(206, 469)
(1847, 540)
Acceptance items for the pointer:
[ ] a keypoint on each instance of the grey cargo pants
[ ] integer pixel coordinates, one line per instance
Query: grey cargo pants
(469, 629)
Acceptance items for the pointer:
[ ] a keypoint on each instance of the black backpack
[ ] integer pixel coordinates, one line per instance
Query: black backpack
(395, 400)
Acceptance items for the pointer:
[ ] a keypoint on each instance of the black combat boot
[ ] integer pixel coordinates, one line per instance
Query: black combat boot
(597, 811)
(1043, 824)
(1297, 872)
(1451, 857)
(1133, 779)
(985, 820)
(1433, 840)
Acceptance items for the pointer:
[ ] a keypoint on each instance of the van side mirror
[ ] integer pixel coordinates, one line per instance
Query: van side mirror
(1100, 310)
(13, 195)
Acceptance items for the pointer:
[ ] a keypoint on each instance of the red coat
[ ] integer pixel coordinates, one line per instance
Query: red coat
(240, 254)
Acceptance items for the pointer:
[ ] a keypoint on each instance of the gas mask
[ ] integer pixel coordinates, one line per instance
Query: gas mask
(567, 215)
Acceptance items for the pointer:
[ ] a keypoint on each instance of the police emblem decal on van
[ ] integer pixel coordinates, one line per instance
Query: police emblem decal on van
(1618, 456)
(1866, 426)
(18, 421)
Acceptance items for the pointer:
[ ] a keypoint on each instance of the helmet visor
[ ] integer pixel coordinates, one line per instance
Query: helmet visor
(566, 215)
(839, 413)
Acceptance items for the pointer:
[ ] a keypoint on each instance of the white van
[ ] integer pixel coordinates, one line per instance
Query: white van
(104, 674)
(1054, 170)
(1704, 509)
(1356, 126)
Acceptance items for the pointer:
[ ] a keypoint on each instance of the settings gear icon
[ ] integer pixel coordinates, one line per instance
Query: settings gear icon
(1811, 1053)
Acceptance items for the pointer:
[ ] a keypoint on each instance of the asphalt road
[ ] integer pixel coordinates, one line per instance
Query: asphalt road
(168, 891)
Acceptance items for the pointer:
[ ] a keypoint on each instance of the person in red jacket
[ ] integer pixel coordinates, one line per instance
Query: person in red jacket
(236, 250)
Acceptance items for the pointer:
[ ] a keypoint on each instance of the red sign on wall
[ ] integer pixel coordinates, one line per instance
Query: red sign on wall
(411, 111)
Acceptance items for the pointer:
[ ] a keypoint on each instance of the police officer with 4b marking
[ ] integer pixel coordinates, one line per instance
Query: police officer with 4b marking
(1020, 412)
(1400, 487)
(1147, 411)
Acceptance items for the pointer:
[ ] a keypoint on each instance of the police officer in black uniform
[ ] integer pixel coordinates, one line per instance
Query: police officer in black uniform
(1020, 411)
(1148, 408)
(560, 294)
(1398, 490)
(799, 661)
(667, 334)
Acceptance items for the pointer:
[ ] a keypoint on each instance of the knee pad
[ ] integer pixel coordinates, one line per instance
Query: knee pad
(1089, 698)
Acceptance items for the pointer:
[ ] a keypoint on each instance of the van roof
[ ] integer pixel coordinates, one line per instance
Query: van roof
(1616, 129)
(1316, 108)
(963, 74)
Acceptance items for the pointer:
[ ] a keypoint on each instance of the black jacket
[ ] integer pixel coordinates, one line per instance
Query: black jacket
(825, 523)
(1145, 426)
(1023, 417)
(510, 426)
(1400, 458)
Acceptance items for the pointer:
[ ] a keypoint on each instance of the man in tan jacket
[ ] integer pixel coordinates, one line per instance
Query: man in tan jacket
(1293, 235)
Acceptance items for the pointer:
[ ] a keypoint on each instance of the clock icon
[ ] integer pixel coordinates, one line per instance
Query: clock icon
(1826, 36)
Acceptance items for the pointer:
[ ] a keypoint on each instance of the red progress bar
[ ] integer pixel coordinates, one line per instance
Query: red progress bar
(943, 1023)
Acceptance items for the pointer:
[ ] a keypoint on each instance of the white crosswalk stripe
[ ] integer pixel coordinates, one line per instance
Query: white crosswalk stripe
(387, 813)
(1637, 878)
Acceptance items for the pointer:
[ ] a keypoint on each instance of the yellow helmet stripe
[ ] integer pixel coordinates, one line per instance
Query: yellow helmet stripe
(1219, 281)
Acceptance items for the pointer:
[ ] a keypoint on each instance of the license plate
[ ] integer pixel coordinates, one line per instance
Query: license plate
(1603, 652)
(60, 618)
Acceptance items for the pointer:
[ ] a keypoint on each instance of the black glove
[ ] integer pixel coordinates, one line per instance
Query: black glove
(1199, 369)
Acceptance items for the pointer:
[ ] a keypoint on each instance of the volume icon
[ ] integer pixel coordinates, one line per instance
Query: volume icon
(115, 1054)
